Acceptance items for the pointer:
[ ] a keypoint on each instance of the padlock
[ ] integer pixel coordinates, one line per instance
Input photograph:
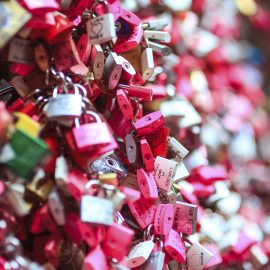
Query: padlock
(39, 7)
(124, 44)
(163, 220)
(95, 260)
(159, 49)
(177, 148)
(128, 70)
(164, 172)
(61, 173)
(185, 217)
(61, 28)
(147, 155)
(138, 91)
(156, 24)
(117, 241)
(147, 184)
(97, 61)
(155, 260)
(56, 207)
(27, 124)
(91, 135)
(101, 29)
(140, 253)
(147, 62)
(96, 210)
(158, 141)
(131, 148)
(175, 246)
(198, 257)
(167, 197)
(39, 187)
(181, 170)
(23, 153)
(112, 70)
(124, 104)
(64, 107)
(133, 57)
(21, 51)
(149, 123)
(84, 49)
(160, 36)
(143, 211)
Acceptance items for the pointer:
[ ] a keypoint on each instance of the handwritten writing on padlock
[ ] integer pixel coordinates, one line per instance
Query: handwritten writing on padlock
(91, 135)
(164, 172)
(101, 29)
(185, 217)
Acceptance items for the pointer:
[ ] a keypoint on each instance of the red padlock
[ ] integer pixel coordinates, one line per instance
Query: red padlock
(84, 49)
(149, 123)
(147, 155)
(147, 184)
(124, 104)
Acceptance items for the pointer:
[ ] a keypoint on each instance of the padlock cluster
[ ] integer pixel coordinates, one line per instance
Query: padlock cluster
(128, 136)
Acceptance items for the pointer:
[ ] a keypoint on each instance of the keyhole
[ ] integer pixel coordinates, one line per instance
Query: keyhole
(98, 65)
(131, 148)
(115, 76)
(147, 118)
(148, 157)
(111, 162)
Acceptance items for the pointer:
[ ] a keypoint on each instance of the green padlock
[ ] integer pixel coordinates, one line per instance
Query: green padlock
(28, 152)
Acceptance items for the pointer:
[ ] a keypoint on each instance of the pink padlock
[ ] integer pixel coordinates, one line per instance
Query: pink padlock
(117, 241)
(138, 91)
(130, 17)
(149, 123)
(95, 260)
(143, 211)
(147, 184)
(147, 155)
(175, 246)
(40, 7)
(163, 219)
(124, 104)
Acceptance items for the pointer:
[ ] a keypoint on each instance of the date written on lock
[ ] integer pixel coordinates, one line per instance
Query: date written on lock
(164, 172)
(185, 217)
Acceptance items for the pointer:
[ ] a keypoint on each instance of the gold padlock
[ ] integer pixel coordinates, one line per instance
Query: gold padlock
(27, 124)
(134, 57)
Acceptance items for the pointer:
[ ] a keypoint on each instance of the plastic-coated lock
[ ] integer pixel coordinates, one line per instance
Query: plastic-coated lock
(124, 104)
(91, 135)
(157, 35)
(185, 217)
(147, 184)
(164, 172)
(117, 241)
(147, 155)
(163, 220)
(84, 49)
(175, 246)
(198, 257)
(23, 153)
(138, 91)
(140, 253)
(143, 211)
(130, 17)
(149, 123)
(97, 61)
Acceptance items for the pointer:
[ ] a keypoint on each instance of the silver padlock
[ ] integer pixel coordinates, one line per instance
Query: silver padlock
(140, 253)
(64, 108)
(94, 209)
(157, 24)
(155, 260)
(110, 164)
(160, 48)
(112, 70)
(97, 61)
(147, 62)
(56, 207)
(176, 147)
(101, 29)
(157, 35)
(198, 257)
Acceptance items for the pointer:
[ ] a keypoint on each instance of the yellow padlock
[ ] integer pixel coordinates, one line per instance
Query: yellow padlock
(27, 124)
